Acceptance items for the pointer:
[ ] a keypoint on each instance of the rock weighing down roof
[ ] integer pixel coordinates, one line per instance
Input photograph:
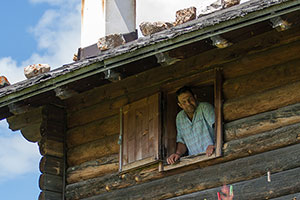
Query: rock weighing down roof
(204, 27)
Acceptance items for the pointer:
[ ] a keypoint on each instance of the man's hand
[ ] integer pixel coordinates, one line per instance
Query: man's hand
(173, 158)
(210, 150)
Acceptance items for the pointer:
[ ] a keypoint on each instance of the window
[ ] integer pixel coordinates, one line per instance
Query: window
(149, 132)
(210, 93)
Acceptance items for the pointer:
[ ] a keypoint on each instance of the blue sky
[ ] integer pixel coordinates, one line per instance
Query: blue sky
(47, 31)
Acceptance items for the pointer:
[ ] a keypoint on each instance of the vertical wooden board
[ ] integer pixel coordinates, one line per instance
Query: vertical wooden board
(124, 137)
(131, 131)
(145, 134)
(218, 113)
(139, 116)
(171, 132)
(154, 124)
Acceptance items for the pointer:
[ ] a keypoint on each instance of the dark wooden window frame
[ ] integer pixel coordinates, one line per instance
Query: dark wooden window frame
(188, 160)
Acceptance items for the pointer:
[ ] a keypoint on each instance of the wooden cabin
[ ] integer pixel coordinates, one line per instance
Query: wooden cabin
(105, 124)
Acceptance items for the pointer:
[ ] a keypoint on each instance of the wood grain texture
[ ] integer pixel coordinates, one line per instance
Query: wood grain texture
(51, 165)
(51, 183)
(93, 150)
(195, 180)
(93, 169)
(262, 102)
(47, 195)
(93, 131)
(262, 122)
(262, 80)
(282, 183)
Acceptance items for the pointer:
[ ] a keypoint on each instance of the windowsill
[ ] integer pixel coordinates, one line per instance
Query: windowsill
(188, 160)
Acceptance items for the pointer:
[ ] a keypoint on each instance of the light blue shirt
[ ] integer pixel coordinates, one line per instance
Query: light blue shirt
(198, 133)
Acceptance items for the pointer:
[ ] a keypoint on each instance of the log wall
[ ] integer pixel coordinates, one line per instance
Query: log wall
(261, 132)
(46, 125)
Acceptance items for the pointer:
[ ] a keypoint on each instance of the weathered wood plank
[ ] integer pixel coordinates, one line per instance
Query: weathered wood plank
(93, 150)
(93, 131)
(93, 169)
(191, 181)
(51, 183)
(262, 122)
(263, 142)
(257, 61)
(282, 183)
(51, 165)
(47, 195)
(262, 102)
(262, 80)
(51, 147)
(288, 197)
(96, 112)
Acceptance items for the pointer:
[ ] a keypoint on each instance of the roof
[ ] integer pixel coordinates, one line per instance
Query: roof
(202, 28)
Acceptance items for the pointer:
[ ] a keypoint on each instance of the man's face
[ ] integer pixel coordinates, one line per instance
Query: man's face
(187, 102)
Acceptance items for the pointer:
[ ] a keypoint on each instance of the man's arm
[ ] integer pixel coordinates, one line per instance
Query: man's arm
(181, 149)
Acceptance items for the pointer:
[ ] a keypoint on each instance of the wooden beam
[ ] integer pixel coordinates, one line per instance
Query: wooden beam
(282, 183)
(93, 150)
(32, 132)
(93, 169)
(262, 80)
(51, 183)
(93, 131)
(47, 195)
(190, 181)
(96, 112)
(262, 102)
(256, 58)
(52, 165)
(17, 122)
(262, 122)
(51, 147)
(266, 141)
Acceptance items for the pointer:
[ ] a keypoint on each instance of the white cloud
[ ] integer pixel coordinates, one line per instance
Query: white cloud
(10, 69)
(17, 155)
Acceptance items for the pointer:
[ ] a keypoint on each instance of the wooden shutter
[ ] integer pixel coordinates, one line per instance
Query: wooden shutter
(141, 133)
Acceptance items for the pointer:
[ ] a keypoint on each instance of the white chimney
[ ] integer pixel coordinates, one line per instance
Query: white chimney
(100, 18)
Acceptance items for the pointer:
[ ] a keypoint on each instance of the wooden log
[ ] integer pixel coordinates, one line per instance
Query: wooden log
(262, 102)
(96, 112)
(93, 131)
(262, 122)
(47, 195)
(93, 150)
(255, 50)
(51, 183)
(290, 196)
(93, 169)
(17, 122)
(282, 183)
(190, 181)
(53, 130)
(263, 142)
(262, 80)
(51, 147)
(52, 165)
(257, 60)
